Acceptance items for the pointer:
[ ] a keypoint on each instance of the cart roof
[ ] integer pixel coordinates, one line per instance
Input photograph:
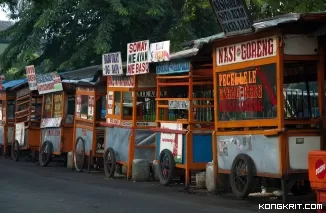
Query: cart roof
(10, 85)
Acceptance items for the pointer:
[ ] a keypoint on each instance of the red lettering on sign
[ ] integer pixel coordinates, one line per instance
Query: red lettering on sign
(137, 46)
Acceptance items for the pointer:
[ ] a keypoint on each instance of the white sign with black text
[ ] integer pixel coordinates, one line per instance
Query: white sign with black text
(112, 64)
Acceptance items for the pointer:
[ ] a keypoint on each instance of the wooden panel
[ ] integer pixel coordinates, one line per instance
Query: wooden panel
(34, 137)
(68, 134)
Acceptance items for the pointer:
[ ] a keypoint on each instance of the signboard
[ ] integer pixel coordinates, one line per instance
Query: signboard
(172, 141)
(246, 51)
(138, 57)
(128, 123)
(112, 64)
(146, 94)
(120, 81)
(91, 104)
(110, 102)
(31, 77)
(78, 106)
(48, 83)
(50, 122)
(248, 93)
(173, 67)
(233, 16)
(20, 133)
(58, 104)
(160, 51)
(178, 104)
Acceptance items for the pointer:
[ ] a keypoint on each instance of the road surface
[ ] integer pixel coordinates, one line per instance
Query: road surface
(27, 188)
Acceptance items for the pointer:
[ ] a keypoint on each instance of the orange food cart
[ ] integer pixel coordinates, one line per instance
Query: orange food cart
(130, 115)
(7, 114)
(268, 114)
(184, 115)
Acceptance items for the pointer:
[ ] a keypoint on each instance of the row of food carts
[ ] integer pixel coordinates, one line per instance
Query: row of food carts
(247, 103)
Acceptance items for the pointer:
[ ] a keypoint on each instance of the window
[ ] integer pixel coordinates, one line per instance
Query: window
(11, 109)
(84, 106)
(58, 105)
(70, 110)
(247, 94)
(100, 108)
(117, 99)
(47, 106)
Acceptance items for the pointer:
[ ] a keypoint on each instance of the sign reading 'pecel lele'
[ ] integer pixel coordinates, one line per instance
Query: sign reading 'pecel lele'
(233, 16)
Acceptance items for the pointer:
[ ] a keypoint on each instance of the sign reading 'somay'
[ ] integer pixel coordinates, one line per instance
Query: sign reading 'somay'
(138, 58)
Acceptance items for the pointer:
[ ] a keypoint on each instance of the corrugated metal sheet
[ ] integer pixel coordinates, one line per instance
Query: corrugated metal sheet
(9, 85)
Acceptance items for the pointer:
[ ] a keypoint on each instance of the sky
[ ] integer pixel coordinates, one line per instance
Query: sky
(3, 14)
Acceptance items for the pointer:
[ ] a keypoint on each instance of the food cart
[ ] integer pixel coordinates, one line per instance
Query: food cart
(268, 114)
(7, 114)
(27, 123)
(57, 118)
(90, 104)
(130, 114)
(184, 114)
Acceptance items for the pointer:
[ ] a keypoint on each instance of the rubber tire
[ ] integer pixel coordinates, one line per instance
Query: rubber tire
(50, 152)
(172, 168)
(109, 174)
(75, 162)
(15, 144)
(250, 176)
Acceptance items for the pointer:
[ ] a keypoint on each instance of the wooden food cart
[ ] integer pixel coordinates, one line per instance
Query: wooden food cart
(7, 114)
(184, 114)
(268, 114)
(27, 123)
(88, 134)
(130, 114)
(57, 119)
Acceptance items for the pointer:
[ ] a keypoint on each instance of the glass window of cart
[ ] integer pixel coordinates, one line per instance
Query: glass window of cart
(85, 106)
(70, 109)
(117, 104)
(101, 108)
(247, 94)
(146, 110)
(11, 109)
(300, 91)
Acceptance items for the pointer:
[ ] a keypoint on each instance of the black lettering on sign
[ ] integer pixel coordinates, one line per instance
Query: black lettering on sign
(232, 15)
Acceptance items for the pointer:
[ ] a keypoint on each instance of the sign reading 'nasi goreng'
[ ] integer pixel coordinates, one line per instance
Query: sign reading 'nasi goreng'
(246, 51)
(138, 57)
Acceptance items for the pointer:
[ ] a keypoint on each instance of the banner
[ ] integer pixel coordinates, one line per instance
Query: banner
(112, 64)
(173, 67)
(31, 78)
(160, 51)
(138, 58)
(48, 83)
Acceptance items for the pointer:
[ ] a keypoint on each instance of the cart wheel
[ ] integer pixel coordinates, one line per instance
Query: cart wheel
(109, 162)
(242, 176)
(166, 167)
(79, 154)
(45, 154)
(15, 150)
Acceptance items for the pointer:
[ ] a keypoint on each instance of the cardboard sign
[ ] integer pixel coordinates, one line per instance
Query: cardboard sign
(233, 16)
(246, 51)
(138, 58)
(48, 83)
(160, 51)
(112, 64)
(178, 104)
(91, 104)
(173, 67)
(129, 123)
(31, 77)
(172, 141)
(50, 122)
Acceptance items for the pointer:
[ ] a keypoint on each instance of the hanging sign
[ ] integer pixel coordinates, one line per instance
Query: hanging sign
(120, 81)
(246, 51)
(233, 16)
(112, 64)
(110, 102)
(173, 67)
(160, 51)
(91, 103)
(178, 104)
(138, 57)
(31, 77)
(48, 83)
(172, 141)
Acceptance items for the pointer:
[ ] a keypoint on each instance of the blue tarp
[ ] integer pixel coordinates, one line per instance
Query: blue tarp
(12, 84)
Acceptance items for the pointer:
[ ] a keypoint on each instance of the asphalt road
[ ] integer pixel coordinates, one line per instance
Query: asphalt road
(27, 188)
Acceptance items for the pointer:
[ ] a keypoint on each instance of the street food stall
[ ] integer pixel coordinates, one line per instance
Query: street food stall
(89, 106)
(57, 118)
(268, 114)
(130, 112)
(184, 114)
(7, 114)
(27, 119)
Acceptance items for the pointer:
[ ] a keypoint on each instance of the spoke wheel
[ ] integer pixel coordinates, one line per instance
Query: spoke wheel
(242, 176)
(15, 150)
(45, 154)
(110, 162)
(166, 167)
(79, 154)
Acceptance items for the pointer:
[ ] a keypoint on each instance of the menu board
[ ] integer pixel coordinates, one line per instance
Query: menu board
(57, 106)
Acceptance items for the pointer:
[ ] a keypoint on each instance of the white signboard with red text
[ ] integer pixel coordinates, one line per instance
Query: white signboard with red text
(172, 141)
(138, 57)
(31, 77)
(160, 51)
(246, 51)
